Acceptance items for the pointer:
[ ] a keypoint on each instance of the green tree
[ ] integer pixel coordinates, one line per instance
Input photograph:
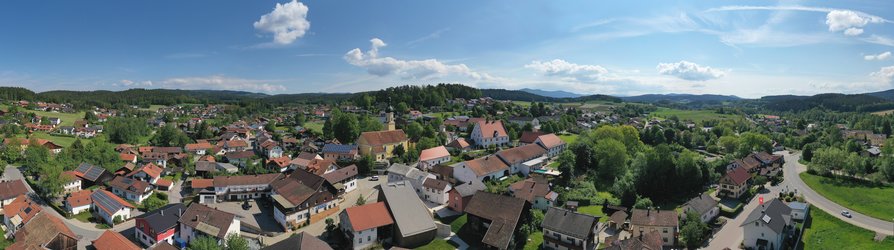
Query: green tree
(345, 127)
(750, 141)
(365, 165)
(693, 231)
(612, 158)
(236, 242)
(204, 243)
(643, 203)
(360, 201)
(153, 203)
(825, 160)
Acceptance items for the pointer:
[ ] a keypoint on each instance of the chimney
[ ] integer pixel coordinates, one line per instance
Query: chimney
(197, 218)
(180, 212)
(162, 212)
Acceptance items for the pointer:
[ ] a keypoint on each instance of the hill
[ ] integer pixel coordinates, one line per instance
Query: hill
(887, 94)
(553, 93)
(836, 102)
(680, 98)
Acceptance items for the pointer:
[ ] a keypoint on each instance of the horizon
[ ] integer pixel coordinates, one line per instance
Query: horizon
(290, 47)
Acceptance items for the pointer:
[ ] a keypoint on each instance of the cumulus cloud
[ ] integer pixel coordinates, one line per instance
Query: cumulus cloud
(851, 22)
(885, 74)
(287, 22)
(880, 57)
(689, 71)
(408, 69)
(569, 71)
(219, 82)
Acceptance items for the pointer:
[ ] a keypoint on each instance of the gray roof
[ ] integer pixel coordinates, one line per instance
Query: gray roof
(410, 215)
(797, 205)
(398, 168)
(701, 204)
(469, 189)
(775, 214)
(569, 223)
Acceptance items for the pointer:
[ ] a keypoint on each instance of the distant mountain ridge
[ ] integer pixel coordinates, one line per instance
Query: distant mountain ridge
(551, 93)
(680, 98)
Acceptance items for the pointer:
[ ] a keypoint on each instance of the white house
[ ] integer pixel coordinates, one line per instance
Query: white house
(482, 169)
(436, 191)
(552, 143)
(72, 182)
(433, 156)
(766, 226)
(665, 222)
(704, 206)
(360, 224)
(110, 207)
(563, 229)
(799, 210)
(200, 220)
(79, 202)
(131, 189)
(486, 134)
(399, 172)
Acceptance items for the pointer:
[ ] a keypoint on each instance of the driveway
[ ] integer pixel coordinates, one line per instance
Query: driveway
(793, 180)
(732, 234)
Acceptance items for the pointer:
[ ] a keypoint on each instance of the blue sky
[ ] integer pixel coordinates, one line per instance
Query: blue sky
(605, 47)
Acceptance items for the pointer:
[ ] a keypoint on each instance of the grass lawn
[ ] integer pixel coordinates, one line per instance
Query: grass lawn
(569, 138)
(862, 198)
(4, 243)
(68, 119)
(83, 217)
(456, 222)
(153, 108)
(697, 116)
(594, 211)
(64, 141)
(437, 244)
(534, 241)
(314, 126)
(824, 231)
(522, 103)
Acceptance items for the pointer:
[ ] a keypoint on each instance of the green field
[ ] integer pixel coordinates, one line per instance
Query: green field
(314, 126)
(437, 244)
(535, 239)
(153, 108)
(824, 231)
(64, 141)
(569, 138)
(697, 116)
(4, 243)
(457, 223)
(68, 119)
(868, 200)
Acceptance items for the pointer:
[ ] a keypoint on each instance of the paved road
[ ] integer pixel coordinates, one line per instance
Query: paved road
(731, 235)
(793, 168)
(86, 232)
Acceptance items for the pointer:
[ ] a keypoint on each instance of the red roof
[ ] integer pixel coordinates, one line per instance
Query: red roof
(111, 240)
(164, 183)
(369, 216)
(433, 153)
(127, 157)
(202, 183)
(550, 140)
(529, 136)
(150, 169)
(79, 198)
(23, 207)
(738, 175)
(198, 145)
(488, 129)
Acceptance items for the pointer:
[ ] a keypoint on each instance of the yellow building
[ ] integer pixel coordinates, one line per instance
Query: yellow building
(381, 144)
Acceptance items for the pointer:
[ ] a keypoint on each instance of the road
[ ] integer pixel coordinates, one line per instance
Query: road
(732, 234)
(86, 232)
(793, 168)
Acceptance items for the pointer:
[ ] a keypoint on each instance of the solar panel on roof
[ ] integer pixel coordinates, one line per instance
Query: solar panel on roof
(105, 201)
(766, 219)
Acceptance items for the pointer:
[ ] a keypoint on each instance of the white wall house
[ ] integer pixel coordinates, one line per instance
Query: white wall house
(486, 134)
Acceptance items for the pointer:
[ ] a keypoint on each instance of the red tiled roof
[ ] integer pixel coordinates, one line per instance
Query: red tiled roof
(369, 216)
(150, 169)
(642, 217)
(281, 161)
(12, 189)
(460, 143)
(198, 145)
(529, 136)
(127, 157)
(79, 198)
(45, 229)
(164, 183)
(485, 165)
(202, 183)
(550, 140)
(738, 176)
(489, 128)
(23, 207)
(433, 153)
(376, 138)
(111, 240)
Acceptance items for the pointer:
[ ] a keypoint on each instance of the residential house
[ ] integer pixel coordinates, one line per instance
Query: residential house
(648, 241)
(361, 224)
(529, 137)
(18, 213)
(321, 167)
(489, 133)
(159, 225)
(200, 220)
(10, 190)
(536, 191)
(125, 157)
(381, 144)
(92, 174)
(344, 179)
(149, 173)
(799, 210)
(436, 191)
(497, 218)
(243, 187)
(303, 160)
(413, 222)
(428, 158)
(71, 182)
(459, 145)
(338, 152)
(767, 226)
(704, 206)
(45, 231)
(111, 208)
(240, 158)
(398, 172)
(111, 240)
(131, 189)
(552, 143)
(522, 121)
(481, 169)
(523, 159)
(569, 230)
(280, 164)
(271, 149)
(199, 148)
(300, 196)
(78, 202)
(665, 222)
(734, 184)
(301, 241)
(461, 194)
(24, 143)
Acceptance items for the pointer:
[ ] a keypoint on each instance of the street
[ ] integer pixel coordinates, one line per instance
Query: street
(732, 234)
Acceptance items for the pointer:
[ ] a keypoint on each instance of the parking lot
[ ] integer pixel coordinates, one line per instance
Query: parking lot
(259, 215)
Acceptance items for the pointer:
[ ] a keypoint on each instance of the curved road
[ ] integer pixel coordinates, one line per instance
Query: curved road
(793, 180)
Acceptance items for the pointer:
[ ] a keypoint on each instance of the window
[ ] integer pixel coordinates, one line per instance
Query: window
(368, 238)
(664, 238)
(664, 231)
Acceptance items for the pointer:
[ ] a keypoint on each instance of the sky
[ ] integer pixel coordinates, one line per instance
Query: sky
(586, 47)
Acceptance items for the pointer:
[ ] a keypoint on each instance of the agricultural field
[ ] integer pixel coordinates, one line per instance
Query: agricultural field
(883, 112)
(873, 201)
(68, 119)
(697, 116)
(314, 126)
(153, 108)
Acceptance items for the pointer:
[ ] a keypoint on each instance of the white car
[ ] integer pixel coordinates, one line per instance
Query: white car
(845, 213)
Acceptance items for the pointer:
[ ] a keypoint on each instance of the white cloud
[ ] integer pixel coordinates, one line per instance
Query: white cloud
(287, 22)
(881, 40)
(408, 69)
(129, 83)
(885, 75)
(219, 82)
(569, 71)
(433, 35)
(880, 57)
(850, 21)
(689, 71)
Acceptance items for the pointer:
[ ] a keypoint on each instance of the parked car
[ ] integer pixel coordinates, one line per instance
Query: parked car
(845, 213)
(374, 178)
